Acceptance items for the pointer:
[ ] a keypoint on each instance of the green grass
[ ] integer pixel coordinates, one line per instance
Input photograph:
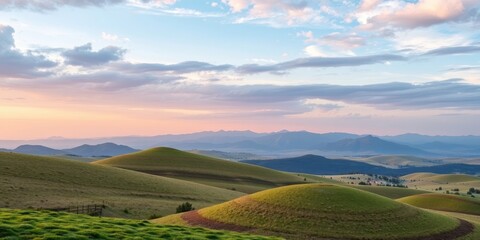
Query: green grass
(44, 182)
(441, 178)
(203, 169)
(28, 224)
(391, 192)
(431, 181)
(325, 211)
(444, 202)
(397, 161)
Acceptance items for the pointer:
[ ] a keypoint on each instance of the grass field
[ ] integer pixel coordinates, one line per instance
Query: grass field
(390, 192)
(28, 224)
(42, 182)
(444, 202)
(431, 181)
(395, 161)
(311, 211)
(203, 169)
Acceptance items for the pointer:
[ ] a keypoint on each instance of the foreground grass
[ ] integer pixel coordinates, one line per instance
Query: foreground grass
(28, 224)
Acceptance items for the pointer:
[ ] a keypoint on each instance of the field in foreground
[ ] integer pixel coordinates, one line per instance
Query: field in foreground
(27, 224)
(312, 211)
(216, 172)
(42, 182)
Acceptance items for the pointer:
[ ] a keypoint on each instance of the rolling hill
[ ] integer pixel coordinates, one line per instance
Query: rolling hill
(396, 161)
(104, 149)
(314, 164)
(444, 202)
(38, 150)
(203, 169)
(45, 182)
(447, 182)
(318, 211)
(391, 192)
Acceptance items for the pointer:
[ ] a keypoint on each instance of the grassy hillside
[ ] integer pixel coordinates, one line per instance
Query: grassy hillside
(43, 182)
(310, 211)
(431, 181)
(203, 169)
(398, 161)
(28, 224)
(444, 202)
(391, 192)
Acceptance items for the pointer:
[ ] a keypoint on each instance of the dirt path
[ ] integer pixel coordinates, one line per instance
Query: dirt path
(463, 229)
(195, 219)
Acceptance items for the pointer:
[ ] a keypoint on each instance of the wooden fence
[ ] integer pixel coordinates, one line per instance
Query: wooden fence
(92, 210)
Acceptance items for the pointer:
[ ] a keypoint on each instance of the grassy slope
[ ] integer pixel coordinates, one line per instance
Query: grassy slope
(391, 192)
(212, 171)
(444, 202)
(323, 210)
(396, 161)
(43, 182)
(430, 181)
(27, 224)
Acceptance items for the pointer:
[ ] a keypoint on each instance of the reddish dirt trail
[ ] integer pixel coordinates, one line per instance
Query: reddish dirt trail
(463, 229)
(195, 219)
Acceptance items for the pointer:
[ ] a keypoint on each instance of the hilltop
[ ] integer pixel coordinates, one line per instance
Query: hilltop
(198, 168)
(46, 182)
(311, 211)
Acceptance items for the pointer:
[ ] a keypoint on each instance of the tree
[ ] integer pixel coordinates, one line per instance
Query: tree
(185, 207)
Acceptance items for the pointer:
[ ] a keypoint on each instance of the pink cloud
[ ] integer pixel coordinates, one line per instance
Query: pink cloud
(424, 13)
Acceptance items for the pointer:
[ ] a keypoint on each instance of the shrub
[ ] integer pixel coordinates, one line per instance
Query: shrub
(185, 207)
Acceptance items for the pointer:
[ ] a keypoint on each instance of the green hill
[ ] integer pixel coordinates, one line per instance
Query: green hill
(313, 211)
(398, 161)
(441, 178)
(28, 224)
(391, 192)
(43, 182)
(203, 169)
(444, 202)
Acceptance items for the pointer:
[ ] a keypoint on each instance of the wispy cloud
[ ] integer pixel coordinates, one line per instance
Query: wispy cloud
(318, 62)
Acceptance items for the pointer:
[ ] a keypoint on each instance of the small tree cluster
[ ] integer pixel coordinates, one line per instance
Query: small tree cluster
(185, 207)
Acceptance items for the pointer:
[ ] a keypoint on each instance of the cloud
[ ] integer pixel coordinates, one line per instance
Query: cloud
(17, 64)
(448, 94)
(335, 40)
(453, 50)
(84, 56)
(276, 12)
(179, 68)
(318, 62)
(48, 5)
(409, 15)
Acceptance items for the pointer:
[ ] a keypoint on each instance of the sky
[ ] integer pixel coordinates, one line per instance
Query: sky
(97, 68)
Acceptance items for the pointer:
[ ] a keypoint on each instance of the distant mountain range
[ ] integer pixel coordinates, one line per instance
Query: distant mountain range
(99, 150)
(314, 164)
(285, 143)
